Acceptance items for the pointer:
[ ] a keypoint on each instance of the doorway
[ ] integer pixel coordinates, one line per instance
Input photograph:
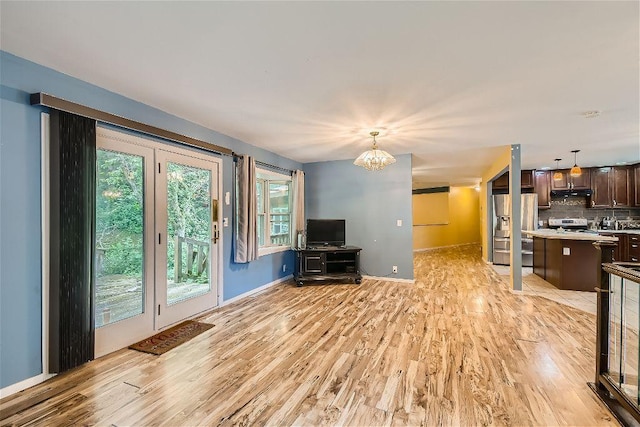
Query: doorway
(157, 237)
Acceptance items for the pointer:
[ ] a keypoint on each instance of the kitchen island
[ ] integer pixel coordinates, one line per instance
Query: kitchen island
(566, 259)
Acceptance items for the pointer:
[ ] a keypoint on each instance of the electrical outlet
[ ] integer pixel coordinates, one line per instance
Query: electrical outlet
(395, 269)
(284, 268)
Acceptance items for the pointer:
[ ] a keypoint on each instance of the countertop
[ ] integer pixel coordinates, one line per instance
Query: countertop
(620, 231)
(547, 233)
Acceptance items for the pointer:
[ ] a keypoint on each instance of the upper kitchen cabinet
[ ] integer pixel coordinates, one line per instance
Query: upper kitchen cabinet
(622, 186)
(612, 187)
(569, 182)
(636, 183)
(542, 185)
(526, 181)
(602, 196)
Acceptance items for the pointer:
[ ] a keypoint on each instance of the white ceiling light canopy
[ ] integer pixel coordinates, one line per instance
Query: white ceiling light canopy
(374, 159)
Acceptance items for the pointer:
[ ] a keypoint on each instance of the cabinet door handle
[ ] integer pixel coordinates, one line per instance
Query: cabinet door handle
(614, 203)
(593, 203)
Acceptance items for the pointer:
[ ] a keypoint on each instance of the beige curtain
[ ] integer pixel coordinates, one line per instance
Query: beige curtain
(297, 217)
(246, 239)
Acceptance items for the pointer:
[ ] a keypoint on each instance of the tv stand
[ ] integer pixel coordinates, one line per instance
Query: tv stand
(328, 263)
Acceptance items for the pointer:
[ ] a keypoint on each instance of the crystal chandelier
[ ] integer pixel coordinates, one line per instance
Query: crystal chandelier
(374, 159)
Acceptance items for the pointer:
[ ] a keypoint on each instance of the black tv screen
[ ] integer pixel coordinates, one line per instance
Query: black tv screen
(325, 232)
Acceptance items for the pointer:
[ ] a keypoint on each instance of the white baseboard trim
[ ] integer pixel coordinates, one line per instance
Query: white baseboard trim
(443, 247)
(256, 290)
(25, 384)
(389, 279)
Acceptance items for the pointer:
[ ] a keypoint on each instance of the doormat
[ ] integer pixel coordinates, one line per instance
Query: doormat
(171, 338)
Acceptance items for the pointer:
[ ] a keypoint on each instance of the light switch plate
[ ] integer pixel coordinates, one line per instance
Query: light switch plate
(566, 251)
(399, 223)
(227, 198)
(225, 222)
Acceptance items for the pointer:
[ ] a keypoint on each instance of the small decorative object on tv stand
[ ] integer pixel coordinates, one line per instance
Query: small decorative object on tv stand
(328, 263)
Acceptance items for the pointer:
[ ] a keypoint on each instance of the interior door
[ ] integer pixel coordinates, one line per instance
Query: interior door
(124, 264)
(187, 236)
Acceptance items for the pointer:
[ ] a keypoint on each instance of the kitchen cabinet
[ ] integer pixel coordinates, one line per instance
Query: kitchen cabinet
(633, 248)
(567, 264)
(621, 182)
(601, 197)
(636, 183)
(542, 185)
(612, 187)
(568, 182)
(526, 181)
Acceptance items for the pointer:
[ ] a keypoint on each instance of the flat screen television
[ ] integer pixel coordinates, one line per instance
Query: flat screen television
(325, 232)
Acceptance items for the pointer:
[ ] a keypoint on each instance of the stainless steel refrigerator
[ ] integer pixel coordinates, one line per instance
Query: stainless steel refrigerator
(502, 222)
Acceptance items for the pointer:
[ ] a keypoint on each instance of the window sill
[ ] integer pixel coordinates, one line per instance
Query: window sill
(272, 250)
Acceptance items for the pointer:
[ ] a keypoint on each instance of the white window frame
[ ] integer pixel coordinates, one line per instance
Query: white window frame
(266, 176)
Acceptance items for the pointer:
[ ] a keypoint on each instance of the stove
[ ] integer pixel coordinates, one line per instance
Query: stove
(569, 223)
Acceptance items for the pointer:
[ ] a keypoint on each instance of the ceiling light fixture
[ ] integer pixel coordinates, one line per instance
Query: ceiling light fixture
(575, 170)
(557, 176)
(374, 159)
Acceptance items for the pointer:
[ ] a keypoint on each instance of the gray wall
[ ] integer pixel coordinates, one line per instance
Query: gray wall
(371, 203)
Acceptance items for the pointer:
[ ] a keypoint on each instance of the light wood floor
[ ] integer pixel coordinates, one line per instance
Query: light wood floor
(456, 348)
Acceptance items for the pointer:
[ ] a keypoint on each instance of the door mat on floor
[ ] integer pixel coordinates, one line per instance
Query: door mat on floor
(171, 338)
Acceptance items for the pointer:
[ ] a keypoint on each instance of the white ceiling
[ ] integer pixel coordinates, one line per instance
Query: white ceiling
(450, 82)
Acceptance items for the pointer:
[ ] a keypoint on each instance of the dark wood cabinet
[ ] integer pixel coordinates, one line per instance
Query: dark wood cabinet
(633, 247)
(542, 185)
(568, 182)
(601, 197)
(621, 182)
(332, 263)
(567, 264)
(636, 183)
(612, 187)
(501, 182)
(527, 180)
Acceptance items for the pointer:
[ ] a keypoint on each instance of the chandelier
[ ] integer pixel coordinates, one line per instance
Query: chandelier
(374, 159)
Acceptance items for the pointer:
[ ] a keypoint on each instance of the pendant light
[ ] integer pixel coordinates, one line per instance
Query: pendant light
(374, 159)
(575, 170)
(557, 176)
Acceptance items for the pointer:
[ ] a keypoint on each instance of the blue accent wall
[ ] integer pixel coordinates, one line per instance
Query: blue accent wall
(371, 203)
(20, 236)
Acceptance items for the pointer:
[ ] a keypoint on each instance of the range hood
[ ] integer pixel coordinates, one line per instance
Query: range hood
(571, 193)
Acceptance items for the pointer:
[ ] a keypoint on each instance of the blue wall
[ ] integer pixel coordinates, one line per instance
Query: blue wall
(371, 202)
(20, 245)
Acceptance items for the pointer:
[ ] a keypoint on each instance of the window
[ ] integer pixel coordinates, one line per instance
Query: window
(274, 211)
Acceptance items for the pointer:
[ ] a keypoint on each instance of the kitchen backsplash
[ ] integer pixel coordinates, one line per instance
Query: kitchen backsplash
(576, 207)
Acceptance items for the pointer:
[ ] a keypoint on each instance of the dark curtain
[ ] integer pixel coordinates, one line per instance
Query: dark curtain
(72, 231)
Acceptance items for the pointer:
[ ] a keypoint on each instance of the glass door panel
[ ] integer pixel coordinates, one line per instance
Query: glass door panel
(119, 245)
(124, 253)
(188, 232)
(186, 225)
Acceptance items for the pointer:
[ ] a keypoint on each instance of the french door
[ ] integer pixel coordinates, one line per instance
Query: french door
(187, 233)
(156, 238)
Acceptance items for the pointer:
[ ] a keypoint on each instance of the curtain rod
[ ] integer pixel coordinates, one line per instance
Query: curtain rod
(258, 162)
(289, 171)
(51, 101)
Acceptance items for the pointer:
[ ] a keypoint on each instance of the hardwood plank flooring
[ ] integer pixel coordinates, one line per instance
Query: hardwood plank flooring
(455, 348)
